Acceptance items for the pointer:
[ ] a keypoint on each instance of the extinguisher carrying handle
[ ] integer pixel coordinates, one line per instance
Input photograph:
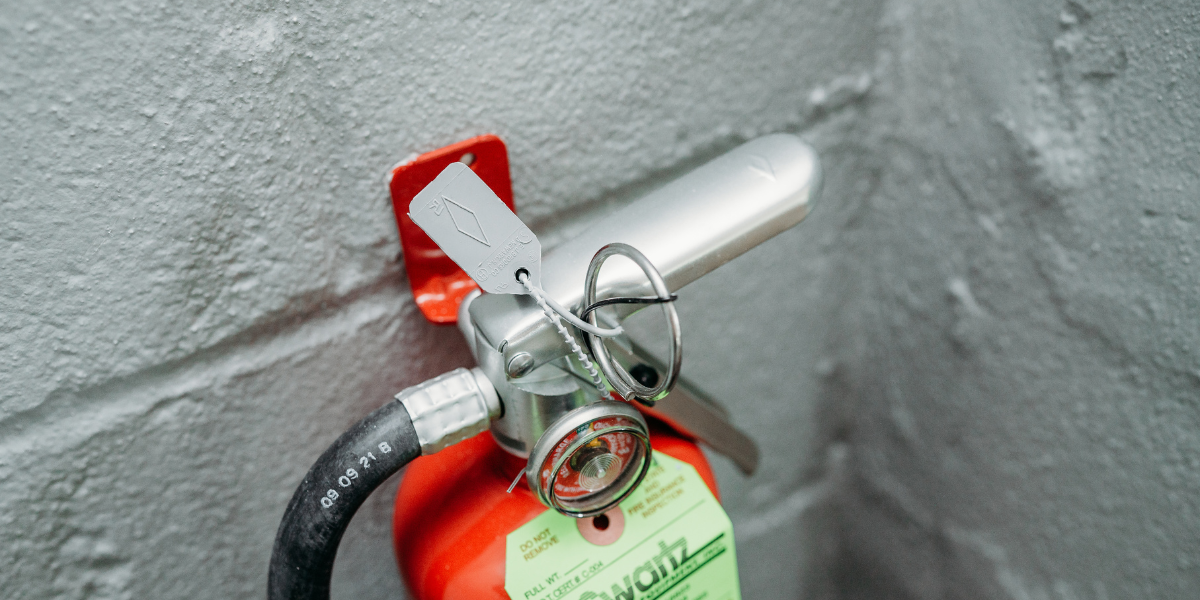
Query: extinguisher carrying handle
(685, 229)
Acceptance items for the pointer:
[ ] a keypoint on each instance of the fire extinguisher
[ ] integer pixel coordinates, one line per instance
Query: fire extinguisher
(591, 435)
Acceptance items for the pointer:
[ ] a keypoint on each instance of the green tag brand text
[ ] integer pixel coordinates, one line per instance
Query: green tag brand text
(677, 545)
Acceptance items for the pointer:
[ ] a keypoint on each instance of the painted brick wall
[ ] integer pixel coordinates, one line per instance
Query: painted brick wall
(199, 287)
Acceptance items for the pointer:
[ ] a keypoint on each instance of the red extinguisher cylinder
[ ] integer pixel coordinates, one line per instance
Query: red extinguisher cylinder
(453, 514)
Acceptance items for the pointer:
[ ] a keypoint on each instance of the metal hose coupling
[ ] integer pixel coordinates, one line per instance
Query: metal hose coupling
(451, 408)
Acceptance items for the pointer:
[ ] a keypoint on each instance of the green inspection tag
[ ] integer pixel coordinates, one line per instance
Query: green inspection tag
(677, 544)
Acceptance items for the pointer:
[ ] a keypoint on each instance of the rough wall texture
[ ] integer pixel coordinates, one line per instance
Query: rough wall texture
(1020, 339)
(973, 370)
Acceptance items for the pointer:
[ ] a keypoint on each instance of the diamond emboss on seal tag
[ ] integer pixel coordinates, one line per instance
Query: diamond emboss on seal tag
(677, 544)
(477, 231)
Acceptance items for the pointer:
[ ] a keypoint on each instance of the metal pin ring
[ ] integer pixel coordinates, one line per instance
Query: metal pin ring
(617, 376)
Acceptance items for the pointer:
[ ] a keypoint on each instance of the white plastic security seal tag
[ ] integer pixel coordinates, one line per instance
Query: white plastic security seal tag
(477, 231)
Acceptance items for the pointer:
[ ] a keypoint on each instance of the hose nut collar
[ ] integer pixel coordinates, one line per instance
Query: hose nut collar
(450, 408)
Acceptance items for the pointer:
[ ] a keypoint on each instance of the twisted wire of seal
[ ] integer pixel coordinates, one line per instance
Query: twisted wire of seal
(562, 329)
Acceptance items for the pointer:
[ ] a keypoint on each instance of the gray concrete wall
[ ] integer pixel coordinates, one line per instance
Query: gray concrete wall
(1019, 343)
(973, 370)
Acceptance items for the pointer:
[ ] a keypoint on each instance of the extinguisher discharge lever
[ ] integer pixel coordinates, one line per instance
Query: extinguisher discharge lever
(691, 410)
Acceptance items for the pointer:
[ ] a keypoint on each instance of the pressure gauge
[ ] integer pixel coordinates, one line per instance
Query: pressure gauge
(590, 459)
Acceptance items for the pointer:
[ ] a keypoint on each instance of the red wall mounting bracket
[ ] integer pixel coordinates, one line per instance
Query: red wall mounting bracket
(438, 285)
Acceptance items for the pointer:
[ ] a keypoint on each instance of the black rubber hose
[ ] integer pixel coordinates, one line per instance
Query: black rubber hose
(340, 481)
